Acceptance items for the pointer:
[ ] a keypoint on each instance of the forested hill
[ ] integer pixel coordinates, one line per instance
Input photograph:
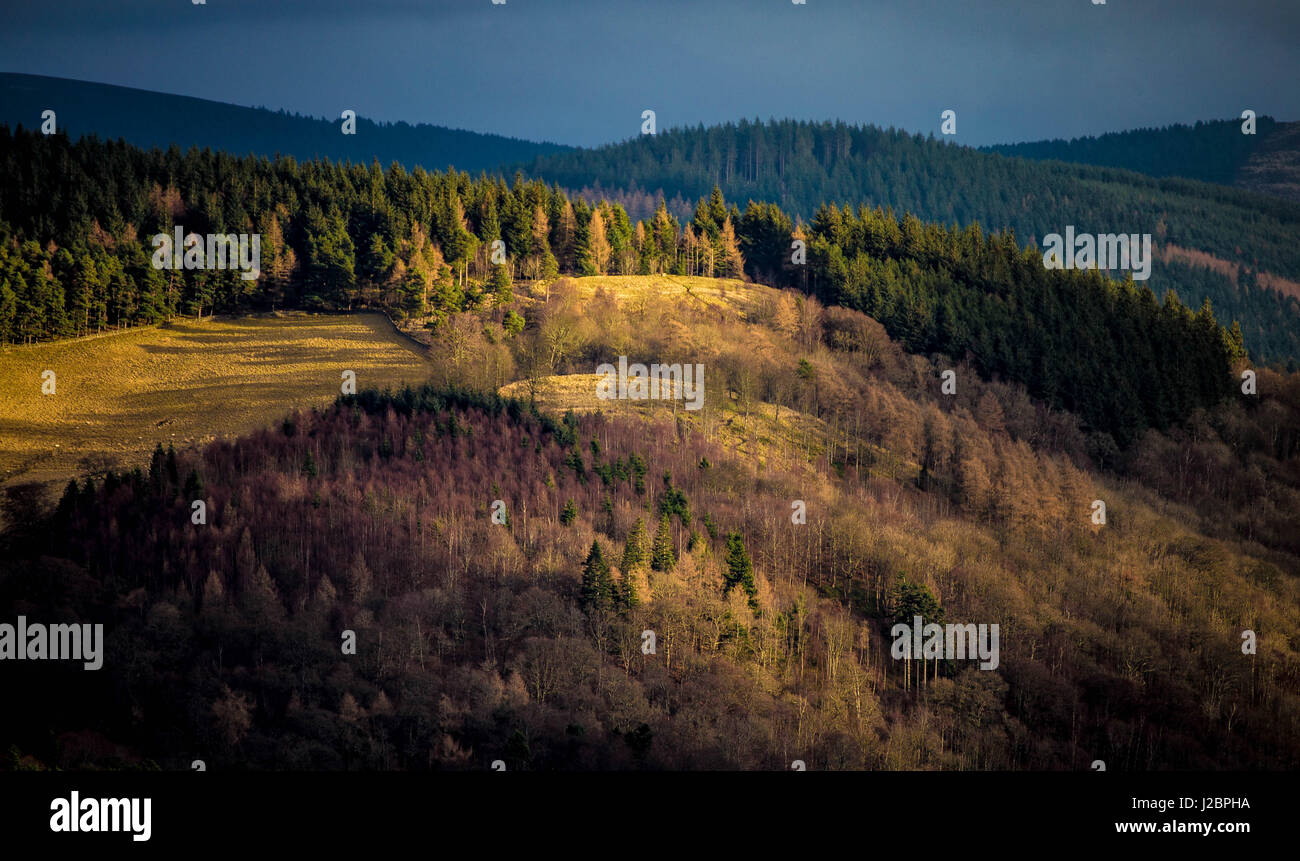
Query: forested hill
(801, 165)
(1237, 248)
(150, 119)
(77, 255)
(1215, 151)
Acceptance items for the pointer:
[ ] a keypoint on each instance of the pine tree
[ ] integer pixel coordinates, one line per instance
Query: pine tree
(636, 549)
(597, 584)
(740, 570)
(627, 594)
(662, 557)
(569, 514)
(500, 285)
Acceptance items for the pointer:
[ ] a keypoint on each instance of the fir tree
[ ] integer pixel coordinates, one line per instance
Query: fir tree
(662, 557)
(740, 570)
(597, 584)
(636, 549)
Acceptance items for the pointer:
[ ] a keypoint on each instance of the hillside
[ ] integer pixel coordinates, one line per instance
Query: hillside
(149, 119)
(185, 382)
(1214, 151)
(76, 256)
(802, 166)
(521, 639)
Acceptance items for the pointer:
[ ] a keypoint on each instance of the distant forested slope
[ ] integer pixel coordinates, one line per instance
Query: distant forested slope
(801, 165)
(149, 119)
(1209, 151)
(76, 256)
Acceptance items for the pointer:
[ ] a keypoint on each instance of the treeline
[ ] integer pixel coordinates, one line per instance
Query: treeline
(801, 165)
(422, 244)
(149, 119)
(76, 221)
(1080, 340)
(1209, 151)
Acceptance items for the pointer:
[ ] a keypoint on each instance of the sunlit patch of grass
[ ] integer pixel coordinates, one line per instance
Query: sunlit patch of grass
(188, 381)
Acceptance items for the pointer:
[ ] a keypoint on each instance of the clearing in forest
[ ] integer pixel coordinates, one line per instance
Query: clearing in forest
(118, 395)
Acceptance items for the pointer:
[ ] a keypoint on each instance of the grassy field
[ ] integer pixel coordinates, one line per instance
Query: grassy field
(769, 435)
(185, 382)
(690, 290)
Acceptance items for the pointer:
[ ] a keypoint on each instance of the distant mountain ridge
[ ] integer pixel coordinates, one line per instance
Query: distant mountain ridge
(1235, 246)
(150, 119)
(1267, 161)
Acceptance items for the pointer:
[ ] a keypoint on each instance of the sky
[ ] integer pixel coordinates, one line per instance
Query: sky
(582, 71)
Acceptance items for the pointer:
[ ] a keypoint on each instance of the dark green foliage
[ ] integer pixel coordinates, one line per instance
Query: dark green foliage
(1210, 151)
(674, 502)
(640, 740)
(626, 596)
(739, 570)
(518, 755)
(801, 166)
(78, 221)
(569, 514)
(913, 599)
(662, 556)
(575, 462)
(636, 550)
(1084, 342)
(597, 583)
(501, 285)
(710, 526)
(638, 467)
(154, 119)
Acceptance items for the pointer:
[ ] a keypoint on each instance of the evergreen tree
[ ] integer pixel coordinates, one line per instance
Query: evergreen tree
(500, 285)
(636, 549)
(662, 557)
(739, 571)
(597, 584)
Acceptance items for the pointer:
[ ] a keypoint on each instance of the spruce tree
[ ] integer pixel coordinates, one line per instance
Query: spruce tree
(663, 558)
(740, 570)
(627, 596)
(636, 548)
(597, 585)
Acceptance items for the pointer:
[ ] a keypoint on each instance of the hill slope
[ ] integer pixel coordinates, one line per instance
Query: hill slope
(148, 119)
(118, 395)
(1245, 240)
(1214, 151)
(522, 640)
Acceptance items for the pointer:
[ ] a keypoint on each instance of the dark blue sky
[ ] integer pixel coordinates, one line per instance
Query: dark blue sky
(581, 71)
